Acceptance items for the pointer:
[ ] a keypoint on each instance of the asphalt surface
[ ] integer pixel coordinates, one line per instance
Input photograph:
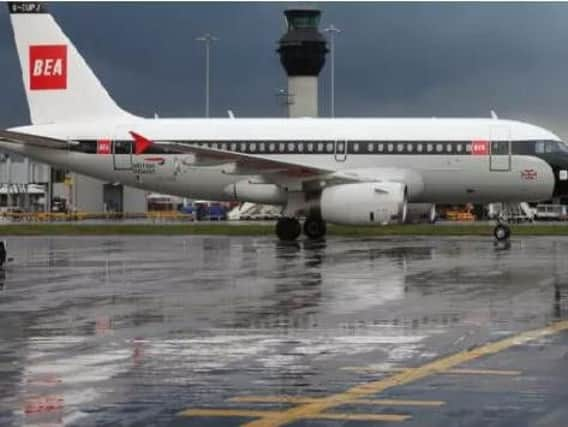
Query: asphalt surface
(219, 331)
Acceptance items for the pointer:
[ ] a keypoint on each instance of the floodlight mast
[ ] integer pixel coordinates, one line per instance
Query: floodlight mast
(332, 30)
(208, 40)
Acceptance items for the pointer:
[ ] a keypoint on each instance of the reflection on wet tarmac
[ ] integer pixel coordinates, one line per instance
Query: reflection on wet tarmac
(132, 330)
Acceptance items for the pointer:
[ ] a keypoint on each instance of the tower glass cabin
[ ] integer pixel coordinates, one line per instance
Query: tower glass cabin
(302, 53)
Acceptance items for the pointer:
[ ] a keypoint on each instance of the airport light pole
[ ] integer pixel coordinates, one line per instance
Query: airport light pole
(332, 30)
(208, 39)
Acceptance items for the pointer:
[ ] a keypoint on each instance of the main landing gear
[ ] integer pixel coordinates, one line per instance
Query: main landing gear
(315, 228)
(289, 229)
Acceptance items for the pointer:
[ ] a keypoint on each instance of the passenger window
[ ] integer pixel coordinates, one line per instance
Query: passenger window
(409, 148)
(381, 147)
(253, 147)
(301, 147)
(430, 147)
(390, 147)
(281, 147)
(449, 148)
(400, 148)
(310, 147)
(439, 148)
(291, 147)
(261, 147)
(272, 147)
(459, 148)
(243, 147)
(356, 147)
(419, 148)
(330, 147)
(233, 147)
(320, 147)
(370, 147)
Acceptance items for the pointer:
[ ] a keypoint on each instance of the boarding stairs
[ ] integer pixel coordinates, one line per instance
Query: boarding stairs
(512, 212)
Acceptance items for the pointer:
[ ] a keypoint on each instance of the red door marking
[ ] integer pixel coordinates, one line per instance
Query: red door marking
(480, 148)
(103, 146)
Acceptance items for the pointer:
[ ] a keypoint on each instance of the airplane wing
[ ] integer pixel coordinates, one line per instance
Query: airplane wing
(280, 172)
(285, 173)
(238, 163)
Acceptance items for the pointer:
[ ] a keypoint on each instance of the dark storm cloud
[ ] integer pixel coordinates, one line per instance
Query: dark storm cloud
(410, 59)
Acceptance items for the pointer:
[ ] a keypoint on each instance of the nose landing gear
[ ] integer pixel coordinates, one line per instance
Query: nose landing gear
(502, 234)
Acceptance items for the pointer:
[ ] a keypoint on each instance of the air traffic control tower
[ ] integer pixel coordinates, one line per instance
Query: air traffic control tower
(302, 53)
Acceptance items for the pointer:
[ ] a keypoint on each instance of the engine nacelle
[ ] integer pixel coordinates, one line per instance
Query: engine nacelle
(420, 213)
(246, 191)
(369, 203)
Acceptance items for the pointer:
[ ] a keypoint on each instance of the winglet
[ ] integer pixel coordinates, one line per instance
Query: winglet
(141, 144)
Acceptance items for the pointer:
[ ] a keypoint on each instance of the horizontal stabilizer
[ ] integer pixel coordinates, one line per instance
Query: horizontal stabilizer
(39, 141)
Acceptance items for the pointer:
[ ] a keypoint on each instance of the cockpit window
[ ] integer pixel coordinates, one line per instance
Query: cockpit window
(547, 147)
(542, 147)
(562, 147)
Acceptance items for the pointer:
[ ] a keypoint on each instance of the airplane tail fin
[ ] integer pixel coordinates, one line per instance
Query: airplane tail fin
(59, 84)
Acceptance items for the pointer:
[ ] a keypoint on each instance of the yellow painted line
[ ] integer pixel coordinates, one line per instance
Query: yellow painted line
(359, 417)
(274, 399)
(310, 410)
(227, 413)
(484, 372)
(302, 400)
(258, 414)
(497, 372)
(396, 402)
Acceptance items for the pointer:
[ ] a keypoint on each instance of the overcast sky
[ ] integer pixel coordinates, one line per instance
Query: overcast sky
(407, 59)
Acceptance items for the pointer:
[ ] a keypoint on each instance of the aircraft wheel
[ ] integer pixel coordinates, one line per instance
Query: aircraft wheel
(315, 228)
(288, 229)
(501, 232)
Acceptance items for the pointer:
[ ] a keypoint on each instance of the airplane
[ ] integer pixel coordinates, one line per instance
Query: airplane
(353, 171)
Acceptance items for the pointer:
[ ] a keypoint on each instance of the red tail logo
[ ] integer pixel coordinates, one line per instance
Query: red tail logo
(48, 67)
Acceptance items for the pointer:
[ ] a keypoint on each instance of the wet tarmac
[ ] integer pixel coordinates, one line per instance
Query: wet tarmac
(227, 331)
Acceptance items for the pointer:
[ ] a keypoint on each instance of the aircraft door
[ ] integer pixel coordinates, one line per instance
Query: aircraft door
(340, 150)
(122, 152)
(500, 149)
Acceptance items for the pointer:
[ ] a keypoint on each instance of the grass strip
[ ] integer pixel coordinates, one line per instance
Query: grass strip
(224, 229)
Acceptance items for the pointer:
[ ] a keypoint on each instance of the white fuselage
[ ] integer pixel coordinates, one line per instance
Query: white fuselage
(438, 150)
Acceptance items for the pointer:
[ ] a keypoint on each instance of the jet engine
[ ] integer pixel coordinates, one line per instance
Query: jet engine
(369, 203)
